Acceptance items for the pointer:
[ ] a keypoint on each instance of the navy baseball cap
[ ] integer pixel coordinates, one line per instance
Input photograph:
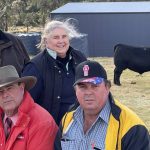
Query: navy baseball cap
(91, 72)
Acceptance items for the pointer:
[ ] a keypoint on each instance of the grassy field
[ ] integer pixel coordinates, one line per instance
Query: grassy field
(134, 92)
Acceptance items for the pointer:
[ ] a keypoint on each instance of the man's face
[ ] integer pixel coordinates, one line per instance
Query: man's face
(91, 97)
(11, 97)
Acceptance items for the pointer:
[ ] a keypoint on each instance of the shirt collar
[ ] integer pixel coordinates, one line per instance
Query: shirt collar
(13, 118)
(104, 113)
(78, 115)
(52, 53)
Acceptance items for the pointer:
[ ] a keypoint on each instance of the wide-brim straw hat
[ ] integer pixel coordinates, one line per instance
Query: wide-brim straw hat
(9, 75)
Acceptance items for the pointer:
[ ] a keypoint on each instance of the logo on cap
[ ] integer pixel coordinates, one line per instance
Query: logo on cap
(86, 70)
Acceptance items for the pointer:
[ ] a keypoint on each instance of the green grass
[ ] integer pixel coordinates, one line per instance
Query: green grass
(135, 89)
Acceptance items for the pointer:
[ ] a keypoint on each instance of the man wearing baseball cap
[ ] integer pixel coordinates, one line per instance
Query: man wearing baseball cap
(99, 122)
(24, 125)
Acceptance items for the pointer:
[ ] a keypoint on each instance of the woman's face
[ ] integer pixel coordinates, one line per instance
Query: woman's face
(58, 41)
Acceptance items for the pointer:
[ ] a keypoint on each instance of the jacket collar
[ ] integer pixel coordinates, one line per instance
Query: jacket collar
(116, 111)
(25, 106)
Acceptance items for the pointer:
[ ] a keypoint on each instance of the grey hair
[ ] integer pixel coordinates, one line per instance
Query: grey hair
(53, 24)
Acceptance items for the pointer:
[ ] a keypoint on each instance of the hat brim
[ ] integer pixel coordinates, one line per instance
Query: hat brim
(79, 81)
(94, 80)
(28, 80)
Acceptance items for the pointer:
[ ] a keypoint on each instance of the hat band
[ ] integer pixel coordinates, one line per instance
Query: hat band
(7, 80)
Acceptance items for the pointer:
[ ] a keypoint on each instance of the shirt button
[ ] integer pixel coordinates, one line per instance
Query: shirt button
(59, 71)
(58, 97)
(1, 144)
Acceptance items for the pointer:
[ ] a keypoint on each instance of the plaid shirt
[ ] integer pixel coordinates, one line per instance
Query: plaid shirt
(75, 139)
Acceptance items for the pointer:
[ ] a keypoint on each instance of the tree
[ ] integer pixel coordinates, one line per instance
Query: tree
(5, 8)
(32, 12)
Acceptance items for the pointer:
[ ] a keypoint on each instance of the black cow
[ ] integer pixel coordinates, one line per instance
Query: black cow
(134, 58)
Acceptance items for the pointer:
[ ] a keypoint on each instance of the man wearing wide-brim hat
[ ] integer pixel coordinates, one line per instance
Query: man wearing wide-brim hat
(24, 125)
